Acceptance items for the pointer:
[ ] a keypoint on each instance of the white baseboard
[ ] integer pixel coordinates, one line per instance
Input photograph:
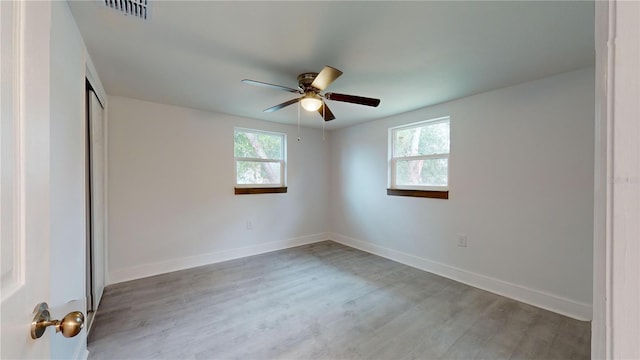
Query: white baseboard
(558, 304)
(151, 269)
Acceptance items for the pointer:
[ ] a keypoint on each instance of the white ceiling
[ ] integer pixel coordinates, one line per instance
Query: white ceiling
(408, 54)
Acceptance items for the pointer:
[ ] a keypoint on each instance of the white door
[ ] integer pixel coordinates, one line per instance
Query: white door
(96, 125)
(25, 187)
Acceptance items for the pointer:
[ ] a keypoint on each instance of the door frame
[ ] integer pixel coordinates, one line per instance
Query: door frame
(93, 294)
(94, 84)
(616, 241)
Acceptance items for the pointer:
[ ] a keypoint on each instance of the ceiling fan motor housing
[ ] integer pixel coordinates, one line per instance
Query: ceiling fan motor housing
(305, 80)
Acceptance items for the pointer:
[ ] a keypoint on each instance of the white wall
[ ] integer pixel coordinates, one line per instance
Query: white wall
(171, 191)
(521, 189)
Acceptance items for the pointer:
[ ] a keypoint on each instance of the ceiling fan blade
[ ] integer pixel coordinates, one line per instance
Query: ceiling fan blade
(264, 84)
(328, 115)
(280, 106)
(326, 77)
(353, 99)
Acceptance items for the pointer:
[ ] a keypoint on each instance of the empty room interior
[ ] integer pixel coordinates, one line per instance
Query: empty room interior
(323, 180)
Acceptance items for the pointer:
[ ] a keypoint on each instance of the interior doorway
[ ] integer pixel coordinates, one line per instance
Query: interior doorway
(95, 196)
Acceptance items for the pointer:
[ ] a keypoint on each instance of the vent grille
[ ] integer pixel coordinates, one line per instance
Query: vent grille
(137, 8)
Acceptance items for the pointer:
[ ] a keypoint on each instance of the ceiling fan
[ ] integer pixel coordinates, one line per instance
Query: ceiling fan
(310, 86)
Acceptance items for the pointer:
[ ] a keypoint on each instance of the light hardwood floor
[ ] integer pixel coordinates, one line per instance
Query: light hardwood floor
(323, 301)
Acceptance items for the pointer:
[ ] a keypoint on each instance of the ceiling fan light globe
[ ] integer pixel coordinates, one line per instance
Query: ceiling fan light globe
(311, 103)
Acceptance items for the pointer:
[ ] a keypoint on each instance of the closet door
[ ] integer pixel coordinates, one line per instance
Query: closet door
(97, 193)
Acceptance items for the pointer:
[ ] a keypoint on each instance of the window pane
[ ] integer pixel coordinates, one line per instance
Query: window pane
(258, 145)
(257, 172)
(429, 172)
(423, 140)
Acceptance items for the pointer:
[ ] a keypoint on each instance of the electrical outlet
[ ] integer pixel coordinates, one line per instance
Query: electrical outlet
(249, 225)
(462, 240)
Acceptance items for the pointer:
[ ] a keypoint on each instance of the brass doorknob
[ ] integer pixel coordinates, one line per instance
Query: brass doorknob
(70, 325)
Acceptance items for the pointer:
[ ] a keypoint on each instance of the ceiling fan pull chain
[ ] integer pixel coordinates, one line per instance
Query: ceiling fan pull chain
(298, 120)
(324, 106)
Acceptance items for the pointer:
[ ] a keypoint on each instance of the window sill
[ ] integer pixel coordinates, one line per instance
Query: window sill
(256, 190)
(419, 193)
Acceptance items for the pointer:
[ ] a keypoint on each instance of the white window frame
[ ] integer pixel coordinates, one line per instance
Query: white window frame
(283, 161)
(393, 160)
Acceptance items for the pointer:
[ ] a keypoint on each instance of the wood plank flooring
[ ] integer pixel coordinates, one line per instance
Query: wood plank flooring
(323, 301)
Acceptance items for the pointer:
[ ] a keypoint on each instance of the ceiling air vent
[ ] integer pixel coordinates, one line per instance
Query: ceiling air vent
(137, 8)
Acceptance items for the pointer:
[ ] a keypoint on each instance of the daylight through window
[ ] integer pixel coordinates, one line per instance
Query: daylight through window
(419, 156)
(260, 158)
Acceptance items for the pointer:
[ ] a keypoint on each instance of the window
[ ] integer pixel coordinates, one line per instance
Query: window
(419, 159)
(260, 161)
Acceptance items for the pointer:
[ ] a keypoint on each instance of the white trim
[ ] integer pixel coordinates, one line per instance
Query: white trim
(601, 324)
(151, 269)
(558, 304)
(420, 188)
(258, 186)
(92, 75)
(622, 295)
(248, 159)
(105, 119)
(421, 157)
